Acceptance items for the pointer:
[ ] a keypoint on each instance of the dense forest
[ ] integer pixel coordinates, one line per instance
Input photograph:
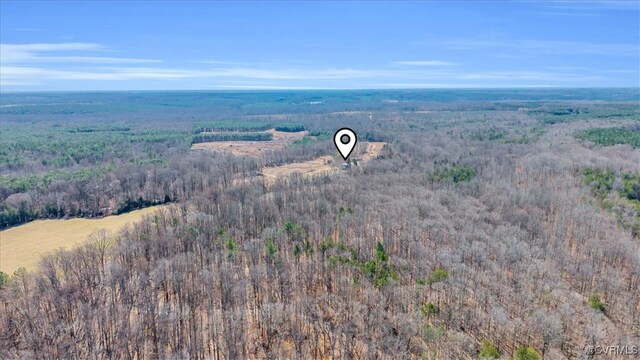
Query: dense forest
(495, 224)
(231, 136)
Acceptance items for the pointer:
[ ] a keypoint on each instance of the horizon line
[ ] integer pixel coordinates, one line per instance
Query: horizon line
(330, 89)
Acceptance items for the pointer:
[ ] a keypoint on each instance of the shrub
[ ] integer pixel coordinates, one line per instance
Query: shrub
(631, 186)
(378, 269)
(430, 309)
(232, 246)
(270, 246)
(437, 275)
(4, 279)
(602, 179)
(527, 353)
(453, 173)
(488, 350)
(297, 250)
(596, 303)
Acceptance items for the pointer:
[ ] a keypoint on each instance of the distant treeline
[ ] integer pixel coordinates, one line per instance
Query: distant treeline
(229, 125)
(243, 126)
(519, 136)
(88, 129)
(231, 136)
(612, 136)
(30, 182)
(290, 127)
(549, 115)
(139, 203)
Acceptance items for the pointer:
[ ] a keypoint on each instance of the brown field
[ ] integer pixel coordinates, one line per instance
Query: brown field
(374, 149)
(24, 245)
(251, 148)
(316, 166)
(364, 151)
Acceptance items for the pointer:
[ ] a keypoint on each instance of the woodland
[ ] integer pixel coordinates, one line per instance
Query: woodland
(497, 224)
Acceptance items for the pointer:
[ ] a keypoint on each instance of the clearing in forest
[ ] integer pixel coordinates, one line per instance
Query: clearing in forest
(252, 148)
(374, 149)
(365, 151)
(22, 246)
(311, 167)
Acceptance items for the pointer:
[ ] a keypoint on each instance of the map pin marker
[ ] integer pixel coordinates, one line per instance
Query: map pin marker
(345, 140)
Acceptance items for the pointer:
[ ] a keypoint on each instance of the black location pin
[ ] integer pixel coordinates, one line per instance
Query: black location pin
(345, 140)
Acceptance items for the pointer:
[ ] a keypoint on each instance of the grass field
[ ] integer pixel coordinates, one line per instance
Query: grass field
(22, 246)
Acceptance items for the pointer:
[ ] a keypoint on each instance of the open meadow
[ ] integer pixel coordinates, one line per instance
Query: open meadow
(24, 245)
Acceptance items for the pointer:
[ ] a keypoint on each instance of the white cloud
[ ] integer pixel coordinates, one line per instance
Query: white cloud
(425, 63)
(41, 53)
(549, 46)
(265, 87)
(528, 75)
(622, 71)
(87, 60)
(410, 85)
(13, 73)
(593, 5)
(38, 66)
(254, 78)
(133, 73)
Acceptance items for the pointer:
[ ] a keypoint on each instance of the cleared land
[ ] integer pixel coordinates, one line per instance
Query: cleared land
(323, 164)
(252, 148)
(312, 167)
(373, 150)
(24, 245)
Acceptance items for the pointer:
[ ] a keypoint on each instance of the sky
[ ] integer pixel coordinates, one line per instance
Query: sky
(200, 45)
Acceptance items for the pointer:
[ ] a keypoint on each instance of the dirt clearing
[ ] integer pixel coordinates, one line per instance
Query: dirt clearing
(252, 148)
(316, 166)
(374, 149)
(324, 164)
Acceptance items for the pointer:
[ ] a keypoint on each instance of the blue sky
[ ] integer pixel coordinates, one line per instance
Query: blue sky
(145, 45)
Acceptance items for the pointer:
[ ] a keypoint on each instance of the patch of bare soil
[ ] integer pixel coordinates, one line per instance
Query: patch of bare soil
(316, 166)
(251, 148)
(374, 149)
(324, 164)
